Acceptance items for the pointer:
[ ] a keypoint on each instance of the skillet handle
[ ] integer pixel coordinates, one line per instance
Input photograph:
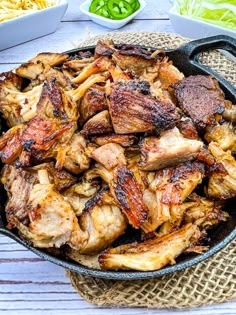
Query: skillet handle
(195, 47)
(187, 57)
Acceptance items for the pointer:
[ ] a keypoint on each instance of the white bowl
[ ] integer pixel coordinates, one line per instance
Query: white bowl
(195, 29)
(32, 25)
(114, 24)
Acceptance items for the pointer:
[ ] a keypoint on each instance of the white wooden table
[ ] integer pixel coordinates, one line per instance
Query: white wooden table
(28, 284)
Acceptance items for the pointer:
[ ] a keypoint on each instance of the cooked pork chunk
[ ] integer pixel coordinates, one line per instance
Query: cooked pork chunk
(80, 193)
(109, 155)
(224, 135)
(222, 183)
(94, 101)
(18, 184)
(132, 109)
(168, 74)
(123, 140)
(128, 195)
(149, 255)
(98, 65)
(51, 217)
(168, 150)
(134, 60)
(73, 156)
(104, 48)
(102, 221)
(201, 98)
(51, 59)
(204, 213)
(167, 190)
(98, 124)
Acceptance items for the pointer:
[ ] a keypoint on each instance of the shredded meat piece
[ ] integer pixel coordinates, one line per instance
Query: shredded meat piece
(98, 124)
(222, 182)
(150, 255)
(167, 190)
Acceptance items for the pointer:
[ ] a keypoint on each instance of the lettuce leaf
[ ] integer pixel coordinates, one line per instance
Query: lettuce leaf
(218, 12)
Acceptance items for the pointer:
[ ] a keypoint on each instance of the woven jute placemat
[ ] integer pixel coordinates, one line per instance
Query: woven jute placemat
(212, 281)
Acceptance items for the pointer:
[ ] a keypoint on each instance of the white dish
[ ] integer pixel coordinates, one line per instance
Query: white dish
(32, 25)
(114, 24)
(195, 29)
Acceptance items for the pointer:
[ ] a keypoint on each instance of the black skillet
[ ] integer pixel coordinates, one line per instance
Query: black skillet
(184, 58)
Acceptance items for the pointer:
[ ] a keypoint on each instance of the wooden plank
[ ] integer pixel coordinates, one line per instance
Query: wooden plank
(69, 35)
(153, 10)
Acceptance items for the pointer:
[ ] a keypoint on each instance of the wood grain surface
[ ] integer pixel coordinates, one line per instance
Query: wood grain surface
(28, 284)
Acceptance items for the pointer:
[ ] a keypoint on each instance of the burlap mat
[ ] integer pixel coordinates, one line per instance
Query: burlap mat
(212, 281)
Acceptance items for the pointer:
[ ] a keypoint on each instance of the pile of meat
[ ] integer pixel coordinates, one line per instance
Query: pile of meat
(115, 140)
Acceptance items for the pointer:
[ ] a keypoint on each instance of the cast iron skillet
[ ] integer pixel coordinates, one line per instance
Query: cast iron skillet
(184, 58)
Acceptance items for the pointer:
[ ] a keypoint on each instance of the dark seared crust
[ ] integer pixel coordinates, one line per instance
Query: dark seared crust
(133, 110)
(18, 184)
(129, 196)
(96, 200)
(51, 93)
(201, 98)
(188, 129)
(104, 48)
(123, 140)
(184, 170)
(94, 101)
(98, 124)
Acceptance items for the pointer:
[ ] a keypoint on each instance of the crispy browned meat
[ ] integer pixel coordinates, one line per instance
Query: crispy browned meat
(40, 137)
(80, 193)
(224, 135)
(51, 59)
(103, 222)
(94, 101)
(51, 217)
(204, 213)
(11, 145)
(55, 104)
(188, 129)
(18, 184)
(133, 109)
(134, 60)
(222, 182)
(123, 140)
(168, 150)
(109, 155)
(73, 156)
(149, 255)
(128, 195)
(167, 190)
(98, 65)
(168, 74)
(104, 48)
(201, 98)
(98, 124)
(60, 178)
